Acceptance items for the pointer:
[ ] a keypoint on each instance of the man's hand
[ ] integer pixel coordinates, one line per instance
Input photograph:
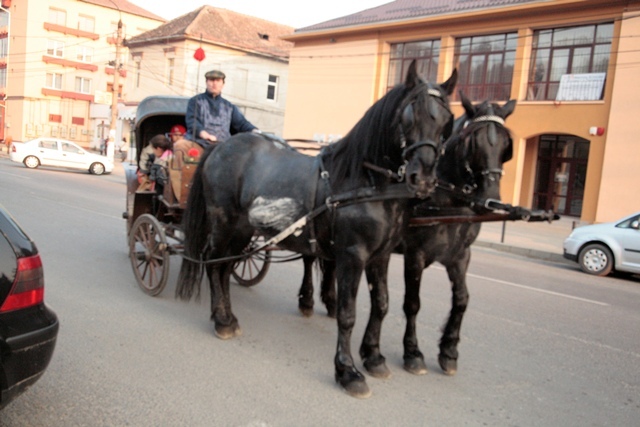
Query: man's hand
(206, 135)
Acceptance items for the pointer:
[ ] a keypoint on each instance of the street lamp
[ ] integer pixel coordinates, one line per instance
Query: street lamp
(114, 97)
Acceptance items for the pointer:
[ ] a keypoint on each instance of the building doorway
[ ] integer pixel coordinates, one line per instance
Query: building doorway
(561, 174)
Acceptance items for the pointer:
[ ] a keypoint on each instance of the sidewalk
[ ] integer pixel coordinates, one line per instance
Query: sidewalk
(541, 240)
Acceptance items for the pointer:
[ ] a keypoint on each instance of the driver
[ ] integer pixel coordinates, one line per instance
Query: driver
(210, 118)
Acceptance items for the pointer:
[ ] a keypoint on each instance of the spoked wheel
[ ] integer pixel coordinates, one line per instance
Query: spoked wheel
(251, 270)
(149, 254)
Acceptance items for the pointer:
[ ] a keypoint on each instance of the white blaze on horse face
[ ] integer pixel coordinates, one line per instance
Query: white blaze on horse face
(276, 214)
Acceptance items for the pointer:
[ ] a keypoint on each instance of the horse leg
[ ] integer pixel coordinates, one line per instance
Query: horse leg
(374, 361)
(226, 323)
(328, 286)
(305, 294)
(413, 267)
(348, 271)
(457, 271)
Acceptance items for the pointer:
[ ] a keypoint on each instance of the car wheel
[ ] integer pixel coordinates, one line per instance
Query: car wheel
(96, 168)
(596, 259)
(31, 162)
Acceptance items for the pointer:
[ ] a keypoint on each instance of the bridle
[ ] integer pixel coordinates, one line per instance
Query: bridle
(407, 151)
(469, 129)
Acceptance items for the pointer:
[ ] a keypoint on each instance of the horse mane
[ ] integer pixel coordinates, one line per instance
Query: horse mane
(368, 141)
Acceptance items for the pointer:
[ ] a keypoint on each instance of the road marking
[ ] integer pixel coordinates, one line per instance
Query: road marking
(530, 288)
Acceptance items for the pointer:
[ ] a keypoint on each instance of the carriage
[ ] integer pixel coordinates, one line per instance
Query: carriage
(153, 218)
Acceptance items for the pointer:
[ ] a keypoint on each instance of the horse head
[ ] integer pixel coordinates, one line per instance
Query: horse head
(481, 146)
(424, 122)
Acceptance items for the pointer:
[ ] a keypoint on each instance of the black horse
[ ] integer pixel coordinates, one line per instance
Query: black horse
(469, 174)
(343, 205)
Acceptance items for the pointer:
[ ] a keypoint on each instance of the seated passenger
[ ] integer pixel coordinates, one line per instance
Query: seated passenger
(157, 147)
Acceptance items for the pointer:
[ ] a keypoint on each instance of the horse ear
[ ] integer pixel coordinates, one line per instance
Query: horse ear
(412, 75)
(450, 84)
(468, 106)
(508, 108)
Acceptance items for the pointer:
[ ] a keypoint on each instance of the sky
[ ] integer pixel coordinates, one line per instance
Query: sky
(295, 13)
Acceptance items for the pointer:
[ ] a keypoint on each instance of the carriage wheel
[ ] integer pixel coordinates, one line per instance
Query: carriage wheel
(251, 270)
(149, 254)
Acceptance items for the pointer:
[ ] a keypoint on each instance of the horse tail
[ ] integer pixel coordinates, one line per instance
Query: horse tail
(196, 228)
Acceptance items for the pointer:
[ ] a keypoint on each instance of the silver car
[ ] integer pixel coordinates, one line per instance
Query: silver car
(60, 153)
(602, 248)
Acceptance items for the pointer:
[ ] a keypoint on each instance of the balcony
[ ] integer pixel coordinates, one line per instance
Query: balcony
(70, 31)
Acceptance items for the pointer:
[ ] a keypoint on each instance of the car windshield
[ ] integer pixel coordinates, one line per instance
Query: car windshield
(627, 222)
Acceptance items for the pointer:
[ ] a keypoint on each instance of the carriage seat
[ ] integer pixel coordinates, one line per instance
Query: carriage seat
(180, 180)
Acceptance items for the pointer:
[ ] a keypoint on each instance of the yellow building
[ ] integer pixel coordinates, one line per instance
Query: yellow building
(572, 65)
(57, 65)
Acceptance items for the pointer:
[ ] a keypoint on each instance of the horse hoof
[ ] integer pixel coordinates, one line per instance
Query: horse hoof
(306, 311)
(449, 366)
(353, 383)
(357, 389)
(416, 366)
(378, 370)
(227, 332)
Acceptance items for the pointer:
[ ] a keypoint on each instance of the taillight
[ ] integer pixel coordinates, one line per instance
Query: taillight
(13, 148)
(28, 288)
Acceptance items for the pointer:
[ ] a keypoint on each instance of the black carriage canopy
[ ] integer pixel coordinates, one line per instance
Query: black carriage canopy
(157, 115)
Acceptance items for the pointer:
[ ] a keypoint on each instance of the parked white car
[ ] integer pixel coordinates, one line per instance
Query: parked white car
(602, 248)
(59, 153)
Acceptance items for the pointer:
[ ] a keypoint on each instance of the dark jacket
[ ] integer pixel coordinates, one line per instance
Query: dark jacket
(216, 115)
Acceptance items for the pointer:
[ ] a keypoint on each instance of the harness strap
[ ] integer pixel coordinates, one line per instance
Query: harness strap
(386, 172)
(361, 195)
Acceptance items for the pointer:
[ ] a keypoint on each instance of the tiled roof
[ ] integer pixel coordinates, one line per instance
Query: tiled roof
(410, 9)
(222, 26)
(125, 6)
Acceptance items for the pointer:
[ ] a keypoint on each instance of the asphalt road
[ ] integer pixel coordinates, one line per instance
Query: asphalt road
(542, 344)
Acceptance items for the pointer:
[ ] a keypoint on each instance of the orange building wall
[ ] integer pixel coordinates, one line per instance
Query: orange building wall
(332, 89)
(620, 189)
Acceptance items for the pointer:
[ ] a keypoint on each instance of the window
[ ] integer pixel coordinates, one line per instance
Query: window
(485, 66)
(55, 48)
(86, 23)
(560, 51)
(272, 87)
(138, 72)
(425, 52)
(54, 81)
(3, 77)
(57, 16)
(83, 85)
(170, 71)
(85, 54)
(4, 47)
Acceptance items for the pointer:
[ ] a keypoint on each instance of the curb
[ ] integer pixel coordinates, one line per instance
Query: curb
(529, 253)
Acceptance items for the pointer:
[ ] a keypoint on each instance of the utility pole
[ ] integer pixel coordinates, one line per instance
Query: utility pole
(114, 99)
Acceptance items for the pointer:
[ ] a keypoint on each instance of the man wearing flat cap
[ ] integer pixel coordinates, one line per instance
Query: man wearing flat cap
(211, 118)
